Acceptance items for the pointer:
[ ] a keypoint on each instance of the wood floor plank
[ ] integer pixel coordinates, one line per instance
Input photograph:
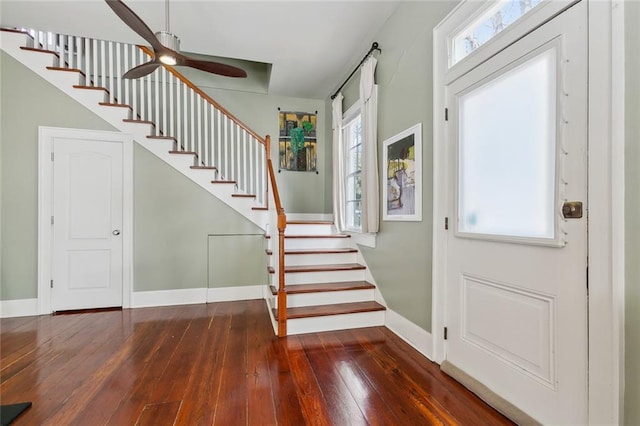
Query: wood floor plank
(221, 364)
(341, 406)
(261, 408)
(200, 397)
(374, 406)
(231, 404)
(161, 413)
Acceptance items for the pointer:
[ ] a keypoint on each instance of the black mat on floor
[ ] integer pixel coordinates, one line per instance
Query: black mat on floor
(8, 413)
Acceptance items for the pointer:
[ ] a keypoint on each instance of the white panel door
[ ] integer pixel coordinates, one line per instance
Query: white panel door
(516, 295)
(87, 210)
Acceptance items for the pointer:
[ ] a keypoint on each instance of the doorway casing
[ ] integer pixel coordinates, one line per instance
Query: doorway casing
(46, 137)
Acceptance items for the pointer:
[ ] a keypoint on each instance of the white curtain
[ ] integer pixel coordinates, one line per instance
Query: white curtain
(369, 116)
(339, 192)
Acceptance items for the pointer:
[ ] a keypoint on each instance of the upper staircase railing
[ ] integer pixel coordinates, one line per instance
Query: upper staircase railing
(180, 111)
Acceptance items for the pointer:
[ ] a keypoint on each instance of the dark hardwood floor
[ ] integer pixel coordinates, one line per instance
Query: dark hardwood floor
(220, 364)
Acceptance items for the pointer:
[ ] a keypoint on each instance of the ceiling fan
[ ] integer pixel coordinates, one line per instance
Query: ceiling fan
(165, 46)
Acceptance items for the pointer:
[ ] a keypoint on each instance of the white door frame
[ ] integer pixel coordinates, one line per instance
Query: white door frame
(605, 195)
(45, 197)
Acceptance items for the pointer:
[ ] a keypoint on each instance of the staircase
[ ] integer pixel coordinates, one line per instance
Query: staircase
(318, 279)
(326, 283)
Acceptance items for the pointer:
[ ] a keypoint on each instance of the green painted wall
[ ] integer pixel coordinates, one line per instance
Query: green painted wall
(27, 102)
(173, 216)
(632, 220)
(401, 262)
(173, 220)
(300, 192)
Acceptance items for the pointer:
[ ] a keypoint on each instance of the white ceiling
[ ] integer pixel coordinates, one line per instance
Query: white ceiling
(312, 45)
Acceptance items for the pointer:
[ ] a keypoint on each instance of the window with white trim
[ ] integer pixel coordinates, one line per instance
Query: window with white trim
(352, 140)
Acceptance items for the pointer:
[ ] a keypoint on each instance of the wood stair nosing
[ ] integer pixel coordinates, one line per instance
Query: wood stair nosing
(319, 268)
(35, 49)
(327, 310)
(243, 195)
(315, 251)
(16, 31)
(204, 167)
(183, 152)
(76, 70)
(324, 287)
(259, 208)
(111, 104)
(224, 181)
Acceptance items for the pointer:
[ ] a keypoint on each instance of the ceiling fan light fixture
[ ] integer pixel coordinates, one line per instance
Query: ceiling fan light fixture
(168, 40)
(168, 60)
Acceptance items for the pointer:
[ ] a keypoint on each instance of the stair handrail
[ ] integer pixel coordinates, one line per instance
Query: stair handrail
(206, 97)
(282, 225)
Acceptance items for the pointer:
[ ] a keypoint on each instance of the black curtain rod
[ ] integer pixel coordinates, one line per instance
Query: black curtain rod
(374, 47)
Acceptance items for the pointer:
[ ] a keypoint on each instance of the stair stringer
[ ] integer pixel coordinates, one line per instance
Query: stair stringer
(11, 43)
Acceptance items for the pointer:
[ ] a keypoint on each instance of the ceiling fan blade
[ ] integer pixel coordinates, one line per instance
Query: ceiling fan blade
(212, 67)
(142, 70)
(134, 22)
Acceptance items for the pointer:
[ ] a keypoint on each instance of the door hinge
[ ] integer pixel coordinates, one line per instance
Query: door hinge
(446, 223)
(587, 278)
(51, 283)
(446, 114)
(445, 333)
(51, 156)
(52, 220)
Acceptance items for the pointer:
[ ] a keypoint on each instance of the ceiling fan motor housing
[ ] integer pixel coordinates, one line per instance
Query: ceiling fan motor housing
(168, 40)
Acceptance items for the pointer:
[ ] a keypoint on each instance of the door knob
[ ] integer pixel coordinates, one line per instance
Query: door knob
(572, 210)
(116, 232)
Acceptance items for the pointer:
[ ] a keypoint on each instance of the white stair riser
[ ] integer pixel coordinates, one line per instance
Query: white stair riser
(315, 243)
(65, 78)
(323, 277)
(335, 322)
(319, 259)
(329, 298)
(116, 113)
(309, 229)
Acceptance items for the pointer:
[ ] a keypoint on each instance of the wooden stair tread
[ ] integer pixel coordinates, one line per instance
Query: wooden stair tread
(76, 70)
(326, 310)
(204, 167)
(111, 104)
(243, 195)
(324, 287)
(223, 181)
(79, 86)
(316, 251)
(16, 31)
(321, 268)
(35, 49)
(183, 152)
(170, 138)
(319, 236)
(259, 208)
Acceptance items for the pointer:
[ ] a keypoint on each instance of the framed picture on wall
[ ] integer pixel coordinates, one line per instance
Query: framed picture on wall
(402, 176)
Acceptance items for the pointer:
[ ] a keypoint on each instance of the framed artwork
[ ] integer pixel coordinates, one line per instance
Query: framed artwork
(297, 141)
(402, 177)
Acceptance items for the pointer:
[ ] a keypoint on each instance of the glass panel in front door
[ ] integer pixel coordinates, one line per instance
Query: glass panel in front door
(507, 152)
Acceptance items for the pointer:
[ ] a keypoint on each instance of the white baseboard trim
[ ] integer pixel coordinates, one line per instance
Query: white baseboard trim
(418, 338)
(230, 294)
(18, 308)
(189, 296)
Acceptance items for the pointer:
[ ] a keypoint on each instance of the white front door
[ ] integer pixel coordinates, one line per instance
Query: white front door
(87, 224)
(516, 294)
